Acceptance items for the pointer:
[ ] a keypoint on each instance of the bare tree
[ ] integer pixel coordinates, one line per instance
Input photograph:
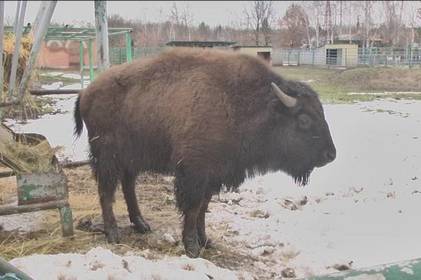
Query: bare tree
(186, 20)
(259, 12)
(368, 22)
(297, 23)
(314, 10)
(174, 19)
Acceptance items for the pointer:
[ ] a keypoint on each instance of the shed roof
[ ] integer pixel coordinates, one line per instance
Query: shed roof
(208, 44)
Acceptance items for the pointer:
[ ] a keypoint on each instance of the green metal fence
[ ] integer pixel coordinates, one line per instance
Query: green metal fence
(118, 55)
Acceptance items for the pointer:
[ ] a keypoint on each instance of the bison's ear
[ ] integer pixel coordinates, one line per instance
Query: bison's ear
(287, 100)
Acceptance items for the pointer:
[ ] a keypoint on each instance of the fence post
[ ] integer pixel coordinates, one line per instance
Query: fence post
(289, 51)
(81, 62)
(298, 59)
(129, 54)
(312, 58)
(91, 62)
(409, 56)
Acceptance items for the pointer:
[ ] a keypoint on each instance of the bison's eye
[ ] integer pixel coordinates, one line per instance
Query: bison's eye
(304, 121)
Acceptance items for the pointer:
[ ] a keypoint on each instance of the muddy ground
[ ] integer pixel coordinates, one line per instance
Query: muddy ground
(156, 199)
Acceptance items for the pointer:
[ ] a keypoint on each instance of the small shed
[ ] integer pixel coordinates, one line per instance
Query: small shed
(200, 44)
(341, 54)
(264, 52)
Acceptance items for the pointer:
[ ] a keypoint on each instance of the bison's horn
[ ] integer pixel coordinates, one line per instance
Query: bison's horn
(288, 101)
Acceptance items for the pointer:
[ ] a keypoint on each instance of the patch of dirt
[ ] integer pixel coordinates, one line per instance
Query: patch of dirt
(157, 203)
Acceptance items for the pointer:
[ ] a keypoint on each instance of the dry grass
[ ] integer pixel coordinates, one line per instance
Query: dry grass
(8, 49)
(157, 204)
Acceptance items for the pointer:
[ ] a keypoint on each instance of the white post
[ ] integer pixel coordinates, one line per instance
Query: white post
(41, 12)
(16, 53)
(101, 25)
(16, 16)
(38, 39)
(1, 47)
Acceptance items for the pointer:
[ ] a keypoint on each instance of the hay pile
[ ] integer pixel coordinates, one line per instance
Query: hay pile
(8, 49)
(28, 158)
(29, 107)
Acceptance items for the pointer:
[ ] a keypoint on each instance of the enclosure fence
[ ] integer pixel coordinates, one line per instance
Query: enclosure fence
(118, 55)
(409, 57)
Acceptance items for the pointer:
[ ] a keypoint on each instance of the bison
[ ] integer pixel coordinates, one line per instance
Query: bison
(210, 118)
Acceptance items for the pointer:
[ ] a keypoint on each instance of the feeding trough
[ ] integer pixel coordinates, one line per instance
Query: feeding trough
(41, 183)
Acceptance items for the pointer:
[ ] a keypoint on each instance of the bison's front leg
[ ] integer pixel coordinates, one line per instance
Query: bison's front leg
(204, 241)
(190, 236)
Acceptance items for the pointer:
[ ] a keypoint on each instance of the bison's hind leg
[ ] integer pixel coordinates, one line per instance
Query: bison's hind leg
(128, 182)
(107, 184)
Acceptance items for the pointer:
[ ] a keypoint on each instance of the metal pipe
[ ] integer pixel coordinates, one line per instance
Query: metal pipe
(40, 16)
(129, 55)
(1, 48)
(81, 61)
(39, 37)
(6, 267)
(16, 53)
(91, 66)
(16, 16)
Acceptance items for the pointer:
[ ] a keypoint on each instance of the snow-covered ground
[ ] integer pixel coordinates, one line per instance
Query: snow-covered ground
(361, 210)
(102, 264)
(58, 128)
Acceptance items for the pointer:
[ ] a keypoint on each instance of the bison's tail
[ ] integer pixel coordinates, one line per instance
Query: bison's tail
(78, 118)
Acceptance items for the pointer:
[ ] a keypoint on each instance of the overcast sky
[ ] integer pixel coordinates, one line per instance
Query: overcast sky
(211, 12)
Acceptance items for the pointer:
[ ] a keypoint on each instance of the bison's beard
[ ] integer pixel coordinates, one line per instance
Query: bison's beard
(302, 178)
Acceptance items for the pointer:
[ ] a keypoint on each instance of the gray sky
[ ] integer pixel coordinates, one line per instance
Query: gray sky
(211, 12)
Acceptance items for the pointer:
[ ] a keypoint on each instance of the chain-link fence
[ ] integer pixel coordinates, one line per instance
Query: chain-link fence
(118, 55)
(339, 56)
(343, 56)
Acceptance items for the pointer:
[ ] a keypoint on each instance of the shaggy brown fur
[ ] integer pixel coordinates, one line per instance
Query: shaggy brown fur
(208, 117)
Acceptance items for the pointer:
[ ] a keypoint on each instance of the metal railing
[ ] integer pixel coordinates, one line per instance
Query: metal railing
(409, 57)
(118, 55)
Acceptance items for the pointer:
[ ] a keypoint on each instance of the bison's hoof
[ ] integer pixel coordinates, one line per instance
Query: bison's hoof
(113, 236)
(141, 225)
(192, 247)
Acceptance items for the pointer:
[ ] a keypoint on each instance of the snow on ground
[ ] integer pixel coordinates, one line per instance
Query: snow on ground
(58, 128)
(102, 264)
(361, 210)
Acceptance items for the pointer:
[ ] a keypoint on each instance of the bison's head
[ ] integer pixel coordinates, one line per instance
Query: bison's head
(301, 135)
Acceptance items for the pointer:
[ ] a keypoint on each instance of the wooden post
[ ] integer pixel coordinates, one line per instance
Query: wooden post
(101, 25)
(1, 48)
(81, 61)
(16, 53)
(38, 39)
